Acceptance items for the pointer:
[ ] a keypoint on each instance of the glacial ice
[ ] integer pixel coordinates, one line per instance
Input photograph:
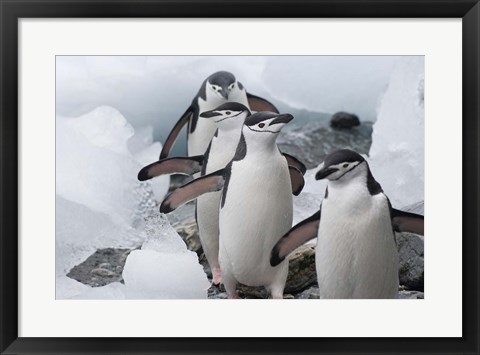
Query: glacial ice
(79, 231)
(156, 90)
(397, 151)
(65, 287)
(163, 268)
(100, 204)
(330, 83)
(112, 291)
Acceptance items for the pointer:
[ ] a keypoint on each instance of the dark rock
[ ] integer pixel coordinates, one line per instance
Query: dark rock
(217, 292)
(101, 268)
(301, 271)
(301, 275)
(178, 180)
(102, 272)
(413, 295)
(344, 120)
(107, 266)
(310, 293)
(411, 259)
(188, 230)
(312, 142)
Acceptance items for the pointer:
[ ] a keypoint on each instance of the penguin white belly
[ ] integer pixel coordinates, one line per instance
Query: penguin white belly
(200, 138)
(222, 151)
(356, 255)
(256, 214)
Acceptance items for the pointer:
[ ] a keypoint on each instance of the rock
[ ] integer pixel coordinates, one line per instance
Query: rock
(301, 275)
(310, 293)
(102, 272)
(414, 295)
(101, 268)
(107, 266)
(189, 232)
(312, 142)
(217, 292)
(410, 250)
(301, 272)
(344, 120)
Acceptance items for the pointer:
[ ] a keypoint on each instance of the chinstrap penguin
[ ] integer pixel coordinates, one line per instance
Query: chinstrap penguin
(217, 89)
(256, 206)
(356, 253)
(228, 119)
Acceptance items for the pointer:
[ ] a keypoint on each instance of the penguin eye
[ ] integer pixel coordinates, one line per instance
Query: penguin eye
(261, 125)
(228, 113)
(345, 165)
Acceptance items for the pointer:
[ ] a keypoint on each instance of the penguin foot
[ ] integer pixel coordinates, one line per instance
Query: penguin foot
(216, 276)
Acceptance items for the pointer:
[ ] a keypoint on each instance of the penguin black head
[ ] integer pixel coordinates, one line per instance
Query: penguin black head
(267, 122)
(340, 163)
(227, 112)
(261, 129)
(222, 83)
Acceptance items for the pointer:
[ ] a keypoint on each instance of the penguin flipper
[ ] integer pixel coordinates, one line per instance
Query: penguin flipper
(407, 222)
(298, 235)
(297, 180)
(292, 161)
(180, 165)
(172, 136)
(259, 104)
(208, 183)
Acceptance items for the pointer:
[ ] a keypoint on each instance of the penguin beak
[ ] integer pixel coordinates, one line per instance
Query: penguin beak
(209, 114)
(224, 93)
(323, 173)
(283, 118)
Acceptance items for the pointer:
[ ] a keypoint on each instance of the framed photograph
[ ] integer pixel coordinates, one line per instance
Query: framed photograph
(160, 159)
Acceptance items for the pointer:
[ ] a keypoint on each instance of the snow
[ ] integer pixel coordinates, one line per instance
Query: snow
(397, 151)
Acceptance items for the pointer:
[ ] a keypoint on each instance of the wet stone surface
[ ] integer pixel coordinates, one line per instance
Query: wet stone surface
(344, 120)
(312, 142)
(101, 268)
(106, 265)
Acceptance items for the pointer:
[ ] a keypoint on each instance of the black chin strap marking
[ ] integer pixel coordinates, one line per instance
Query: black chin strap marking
(254, 130)
(226, 118)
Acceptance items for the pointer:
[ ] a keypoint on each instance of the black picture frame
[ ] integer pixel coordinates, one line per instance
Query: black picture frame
(12, 10)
